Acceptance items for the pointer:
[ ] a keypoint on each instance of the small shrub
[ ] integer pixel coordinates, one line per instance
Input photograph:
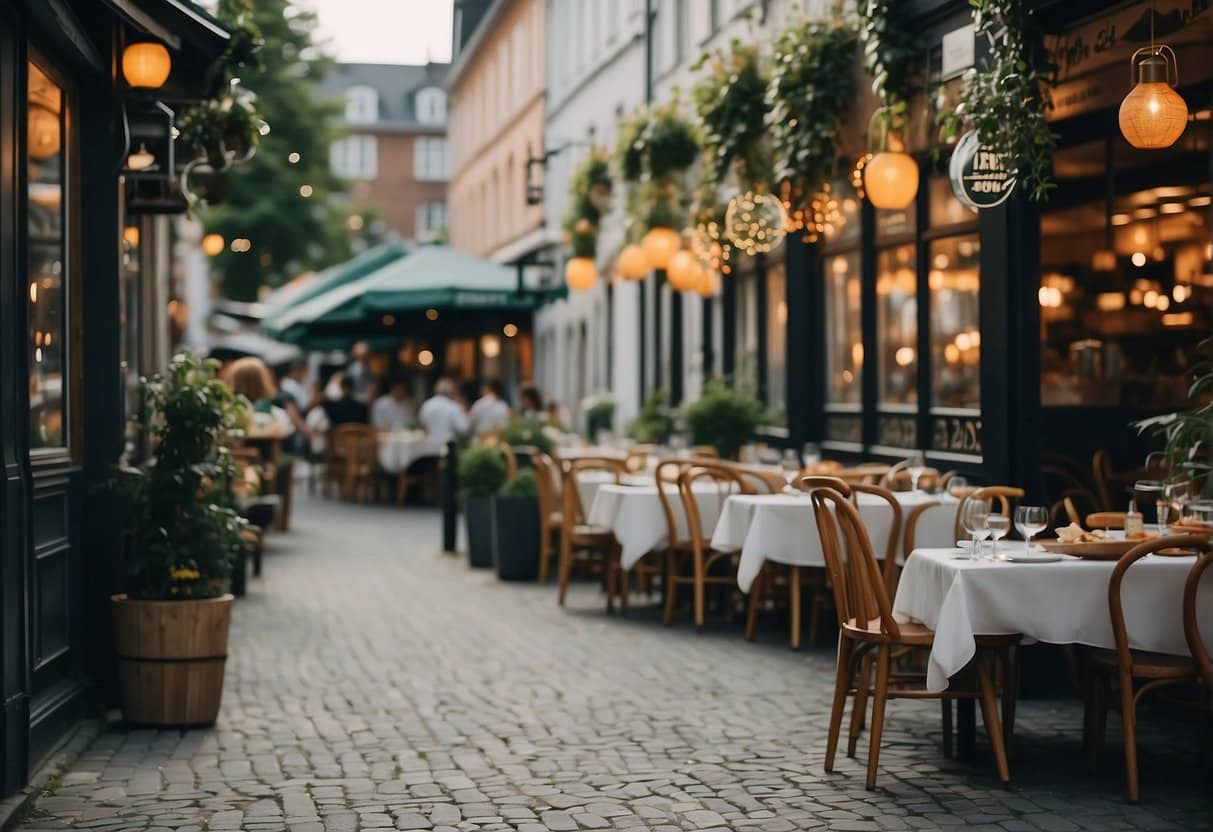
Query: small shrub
(522, 484)
(655, 422)
(481, 471)
(530, 432)
(724, 418)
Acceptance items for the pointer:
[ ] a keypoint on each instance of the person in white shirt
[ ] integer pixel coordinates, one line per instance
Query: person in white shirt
(490, 413)
(294, 384)
(442, 417)
(392, 410)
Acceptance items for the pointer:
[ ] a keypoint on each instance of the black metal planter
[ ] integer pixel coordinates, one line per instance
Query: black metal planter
(479, 514)
(516, 538)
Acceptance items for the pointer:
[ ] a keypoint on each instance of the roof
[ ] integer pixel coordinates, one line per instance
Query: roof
(397, 85)
(471, 41)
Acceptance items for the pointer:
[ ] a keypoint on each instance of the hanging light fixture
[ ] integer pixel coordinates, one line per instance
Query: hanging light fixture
(580, 273)
(146, 65)
(633, 263)
(212, 245)
(1153, 115)
(709, 283)
(141, 159)
(890, 177)
(684, 271)
(755, 222)
(659, 246)
(44, 138)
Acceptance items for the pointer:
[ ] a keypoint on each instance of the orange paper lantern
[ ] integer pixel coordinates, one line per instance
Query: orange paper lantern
(1153, 115)
(683, 271)
(659, 245)
(633, 263)
(212, 245)
(146, 65)
(890, 179)
(580, 273)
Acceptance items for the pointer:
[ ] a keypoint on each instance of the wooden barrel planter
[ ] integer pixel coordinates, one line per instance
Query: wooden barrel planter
(171, 657)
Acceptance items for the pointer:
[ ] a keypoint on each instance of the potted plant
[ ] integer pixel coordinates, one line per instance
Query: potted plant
(481, 474)
(1187, 435)
(724, 418)
(532, 433)
(654, 424)
(599, 412)
(516, 528)
(184, 534)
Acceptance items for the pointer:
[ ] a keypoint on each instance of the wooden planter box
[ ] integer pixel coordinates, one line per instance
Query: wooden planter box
(171, 658)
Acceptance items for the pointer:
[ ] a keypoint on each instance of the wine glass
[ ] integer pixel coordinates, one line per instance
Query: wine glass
(958, 486)
(916, 464)
(791, 469)
(998, 525)
(811, 454)
(1177, 494)
(974, 518)
(1030, 521)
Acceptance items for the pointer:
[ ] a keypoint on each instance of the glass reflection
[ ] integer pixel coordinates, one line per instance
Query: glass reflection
(47, 260)
(777, 312)
(897, 325)
(955, 283)
(844, 342)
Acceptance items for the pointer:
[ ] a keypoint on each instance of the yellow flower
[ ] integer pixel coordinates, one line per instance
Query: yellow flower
(182, 573)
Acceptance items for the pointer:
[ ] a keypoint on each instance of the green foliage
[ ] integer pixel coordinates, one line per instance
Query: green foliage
(656, 143)
(288, 232)
(1005, 98)
(588, 194)
(731, 104)
(481, 470)
(530, 432)
(1187, 435)
(892, 55)
(724, 418)
(809, 94)
(655, 422)
(220, 129)
(184, 530)
(522, 484)
(599, 413)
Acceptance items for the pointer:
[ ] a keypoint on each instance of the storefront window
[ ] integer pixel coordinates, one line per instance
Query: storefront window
(897, 325)
(955, 284)
(777, 339)
(844, 339)
(745, 366)
(47, 262)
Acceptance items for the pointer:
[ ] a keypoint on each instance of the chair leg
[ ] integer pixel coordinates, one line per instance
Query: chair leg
(610, 577)
(842, 681)
(879, 698)
(1128, 719)
(859, 708)
(794, 603)
(700, 588)
(671, 587)
(756, 593)
(566, 566)
(948, 740)
(989, 715)
(402, 488)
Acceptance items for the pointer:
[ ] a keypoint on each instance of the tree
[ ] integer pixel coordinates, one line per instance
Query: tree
(285, 201)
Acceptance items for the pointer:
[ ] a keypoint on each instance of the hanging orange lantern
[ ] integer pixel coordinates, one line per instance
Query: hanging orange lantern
(633, 263)
(683, 271)
(659, 245)
(890, 177)
(212, 245)
(1153, 115)
(580, 273)
(146, 65)
(709, 283)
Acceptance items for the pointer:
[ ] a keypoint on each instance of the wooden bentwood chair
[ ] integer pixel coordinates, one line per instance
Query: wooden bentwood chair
(1127, 665)
(581, 544)
(547, 480)
(866, 624)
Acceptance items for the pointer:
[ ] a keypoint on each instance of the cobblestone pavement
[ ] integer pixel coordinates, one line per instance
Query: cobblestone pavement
(374, 683)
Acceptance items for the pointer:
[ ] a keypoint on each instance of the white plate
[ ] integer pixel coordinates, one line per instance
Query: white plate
(1033, 557)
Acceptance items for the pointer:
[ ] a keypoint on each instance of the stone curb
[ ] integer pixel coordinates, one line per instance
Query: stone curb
(13, 808)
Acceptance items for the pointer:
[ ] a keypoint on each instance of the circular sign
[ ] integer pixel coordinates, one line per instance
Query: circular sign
(980, 178)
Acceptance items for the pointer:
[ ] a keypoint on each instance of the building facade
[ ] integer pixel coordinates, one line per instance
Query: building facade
(392, 149)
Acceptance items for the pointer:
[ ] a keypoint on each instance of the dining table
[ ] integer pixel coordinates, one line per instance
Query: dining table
(783, 529)
(401, 448)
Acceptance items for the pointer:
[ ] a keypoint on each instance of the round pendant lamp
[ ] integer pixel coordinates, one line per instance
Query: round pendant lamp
(1153, 115)
(660, 244)
(213, 245)
(683, 271)
(146, 65)
(580, 273)
(890, 177)
(709, 283)
(633, 263)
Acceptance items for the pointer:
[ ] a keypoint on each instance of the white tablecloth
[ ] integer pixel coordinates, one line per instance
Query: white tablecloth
(590, 451)
(635, 516)
(782, 528)
(400, 449)
(588, 483)
(1060, 603)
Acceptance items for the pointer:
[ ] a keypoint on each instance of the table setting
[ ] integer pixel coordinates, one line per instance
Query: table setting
(400, 449)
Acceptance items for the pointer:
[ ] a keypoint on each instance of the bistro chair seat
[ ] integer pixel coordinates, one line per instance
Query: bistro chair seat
(584, 545)
(589, 531)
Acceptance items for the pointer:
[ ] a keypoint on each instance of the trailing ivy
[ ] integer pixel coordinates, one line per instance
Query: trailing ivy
(807, 98)
(730, 101)
(891, 51)
(656, 146)
(1006, 97)
(589, 192)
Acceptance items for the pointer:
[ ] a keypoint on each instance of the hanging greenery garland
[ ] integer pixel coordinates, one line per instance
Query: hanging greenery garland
(891, 52)
(589, 196)
(656, 146)
(1006, 97)
(807, 97)
(730, 101)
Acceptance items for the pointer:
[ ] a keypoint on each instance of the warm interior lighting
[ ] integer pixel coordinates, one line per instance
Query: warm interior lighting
(1200, 201)
(1150, 298)
(1153, 115)
(1121, 219)
(1049, 297)
(891, 179)
(305, 191)
(709, 284)
(1110, 301)
(131, 235)
(1171, 208)
(490, 346)
(683, 272)
(1138, 258)
(1180, 293)
(146, 65)
(1162, 303)
(1104, 260)
(212, 244)
(580, 273)
(633, 263)
(431, 314)
(425, 358)
(388, 320)
(44, 137)
(904, 356)
(141, 159)
(1178, 319)
(509, 330)
(659, 246)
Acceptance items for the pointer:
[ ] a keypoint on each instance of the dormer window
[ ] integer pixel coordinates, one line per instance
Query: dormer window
(361, 105)
(431, 106)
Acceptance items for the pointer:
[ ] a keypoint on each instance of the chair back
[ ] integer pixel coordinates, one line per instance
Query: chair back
(1004, 495)
(356, 443)
(727, 479)
(860, 593)
(1196, 644)
(758, 480)
(1202, 546)
(899, 479)
(890, 554)
(705, 451)
(571, 507)
(1101, 471)
(1105, 519)
(507, 453)
(547, 477)
(667, 474)
(638, 456)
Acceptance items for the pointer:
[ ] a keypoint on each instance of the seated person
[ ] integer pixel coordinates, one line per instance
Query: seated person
(442, 417)
(392, 411)
(346, 409)
(490, 413)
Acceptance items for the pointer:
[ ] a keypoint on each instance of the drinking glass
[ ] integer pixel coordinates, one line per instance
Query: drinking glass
(811, 454)
(678, 443)
(1030, 521)
(999, 525)
(791, 469)
(975, 518)
(1147, 493)
(958, 487)
(1177, 495)
(915, 464)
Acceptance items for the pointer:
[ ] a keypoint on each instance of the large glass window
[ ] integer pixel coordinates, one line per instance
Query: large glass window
(47, 261)
(777, 339)
(844, 333)
(745, 364)
(897, 325)
(955, 284)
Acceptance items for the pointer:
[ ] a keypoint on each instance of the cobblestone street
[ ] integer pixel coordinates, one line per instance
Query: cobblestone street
(374, 683)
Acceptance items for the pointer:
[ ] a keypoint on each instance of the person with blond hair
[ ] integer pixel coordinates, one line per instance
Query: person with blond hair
(271, 415)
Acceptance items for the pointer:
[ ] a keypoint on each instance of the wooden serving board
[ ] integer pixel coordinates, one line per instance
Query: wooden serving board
(1096, 550)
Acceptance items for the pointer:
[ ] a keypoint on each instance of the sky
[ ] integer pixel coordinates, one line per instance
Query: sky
(384, 31)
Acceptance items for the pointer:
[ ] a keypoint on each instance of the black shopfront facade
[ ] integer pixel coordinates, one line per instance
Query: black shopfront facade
(65, 116)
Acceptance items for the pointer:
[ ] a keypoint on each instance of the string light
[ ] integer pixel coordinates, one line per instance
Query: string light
(755, 222)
